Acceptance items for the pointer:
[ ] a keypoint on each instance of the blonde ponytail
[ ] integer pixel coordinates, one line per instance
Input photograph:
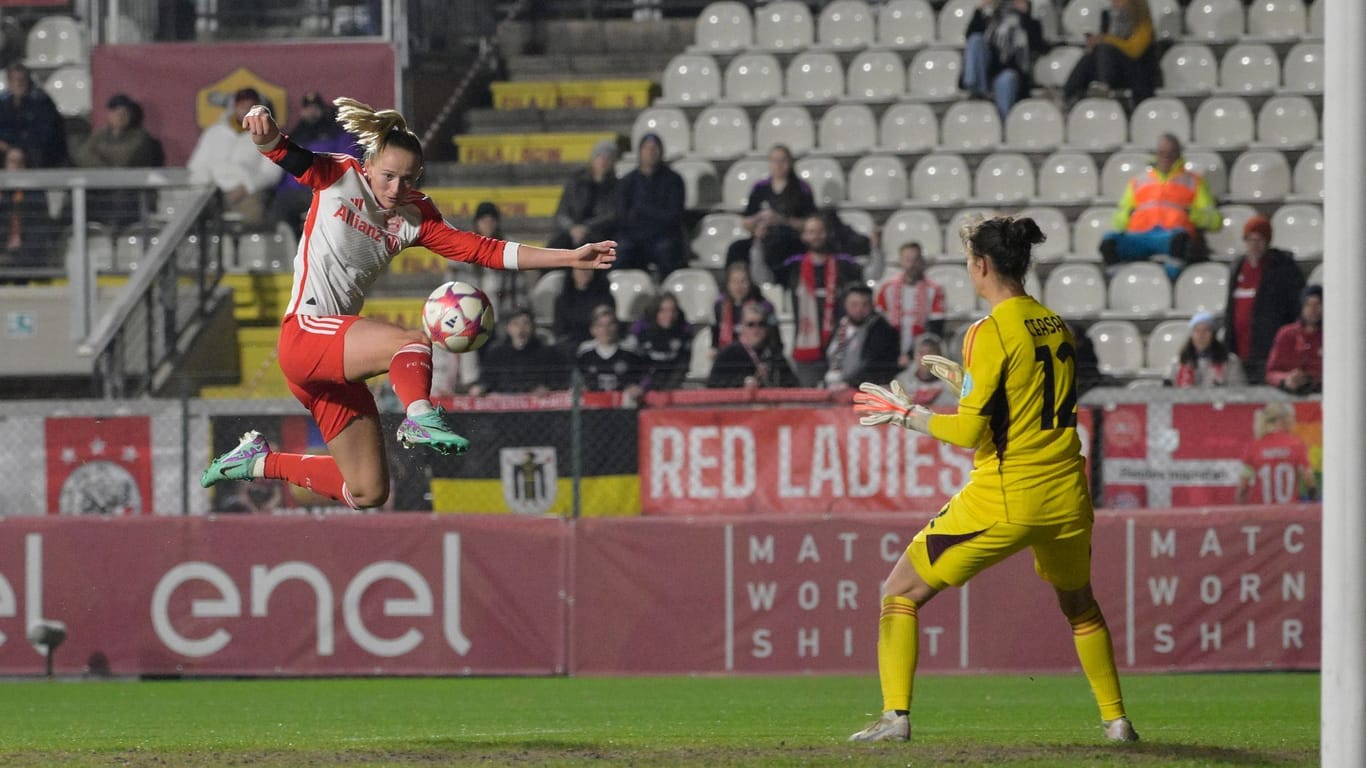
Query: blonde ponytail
(376, 130)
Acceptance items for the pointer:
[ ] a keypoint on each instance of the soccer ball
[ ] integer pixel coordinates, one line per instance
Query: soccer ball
(458, 316)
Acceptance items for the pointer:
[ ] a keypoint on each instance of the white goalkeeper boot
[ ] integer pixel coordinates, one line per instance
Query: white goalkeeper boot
(1120, 729)
(889, 727)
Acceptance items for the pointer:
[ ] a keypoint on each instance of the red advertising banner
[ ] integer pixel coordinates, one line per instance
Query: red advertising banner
(696, 461)
(100, 466)
(184, 87)
(1232, 588)
(1208, 590)
(390, 594)
(1161, 455)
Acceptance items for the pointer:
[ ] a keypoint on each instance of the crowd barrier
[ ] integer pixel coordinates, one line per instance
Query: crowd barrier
(422, 594)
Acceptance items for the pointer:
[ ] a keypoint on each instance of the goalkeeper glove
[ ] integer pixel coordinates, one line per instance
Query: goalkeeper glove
(881, 406)
(944, 368)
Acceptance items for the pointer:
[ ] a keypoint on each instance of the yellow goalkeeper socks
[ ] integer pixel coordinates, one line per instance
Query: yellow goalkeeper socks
(898, 650)
(1097, 655)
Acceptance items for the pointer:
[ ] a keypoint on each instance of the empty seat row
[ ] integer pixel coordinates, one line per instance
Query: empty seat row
(811, 77)
(1220, 123)
(940, 179)
(632, 289)
(729, 26)
(1192, 68)
(1123, 350)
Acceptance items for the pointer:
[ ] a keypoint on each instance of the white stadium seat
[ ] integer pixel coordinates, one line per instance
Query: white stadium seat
(1068, 178)
(1299, 228)
(1201, 287)
(941, 179)
(1004, 178)
(911, 225)
(1260, 175)
(1223, 122)
(847, 129)
(1307, 181)
(1189, 68)
(1082, 17)
(959, 296)
(69, 88)
(785, 124)
(56, 40)
(1052, 68)
(1119, 168)
(714, 235)
(783, 26)
(1034, 124)
(1287, 121)
(1118, 345)
(953, 20)
(1158, 115)
(1227, 243)
(631, 289)
(825, 176)
(1164, 344)
(1303, 68)
(1276, 19)
(1249, 68)
(670, 124)
(543, 294)
(876, 76)
(724, 27)
(701, 185)
(814, 77)
(722, 132)
(696, 291)
(1214, 20)
(1097, 124)
(740, 178)
(845, 25)
(1075, 290)
(1088, 229)
(970, 126)
(1316, 19)
(690, 79)
(933, 74)
(878, 181)
(908, 128)
(1210, 165)
(753, 78)
(1053, 223)
(904, 24)
(1139, 289)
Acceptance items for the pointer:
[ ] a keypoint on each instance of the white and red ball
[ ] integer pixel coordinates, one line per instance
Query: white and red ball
(458, 316)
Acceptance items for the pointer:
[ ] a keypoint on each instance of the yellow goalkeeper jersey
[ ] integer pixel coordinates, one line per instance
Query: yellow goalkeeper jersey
(1018, 409)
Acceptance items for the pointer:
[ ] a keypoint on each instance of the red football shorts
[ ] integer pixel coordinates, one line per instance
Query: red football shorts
(311, 356)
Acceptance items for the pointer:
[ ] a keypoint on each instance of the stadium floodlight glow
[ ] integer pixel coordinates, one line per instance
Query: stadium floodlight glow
(47, 634)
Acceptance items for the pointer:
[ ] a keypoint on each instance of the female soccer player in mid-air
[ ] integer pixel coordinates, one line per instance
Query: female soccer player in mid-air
(363, 213)
(1018, 408)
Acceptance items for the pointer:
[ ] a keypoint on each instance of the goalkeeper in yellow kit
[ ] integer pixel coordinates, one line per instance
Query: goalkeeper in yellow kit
(1018, 408)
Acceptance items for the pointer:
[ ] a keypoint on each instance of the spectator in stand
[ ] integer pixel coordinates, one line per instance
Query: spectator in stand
(1276, 467)
(1122, 56)
(920, 383)
(583, 291)
(813, 280)
(519, 361)
(663, 339)
(1264, 291)
(777, 209)
(755, 359)
(606, 365)
(226, 157)
(912, 303)
(1162, 213)
(740, 290)
(29, 120)
(864, 346)
(650, 213)
(318, 131)
(506, 288)
(1003, 39)
(1204, 361)
(1296, 361)
(25, 227)
(121, 143)
(452, 373)
(588, 204)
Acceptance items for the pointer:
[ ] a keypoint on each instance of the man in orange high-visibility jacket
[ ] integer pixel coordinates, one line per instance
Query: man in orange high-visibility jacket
(1162, 213)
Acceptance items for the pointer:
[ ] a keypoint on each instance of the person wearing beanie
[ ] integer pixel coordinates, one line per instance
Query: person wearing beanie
(121, 142)
(1162, 214)
(1204, 361)
(1296, 361)
(650, 204)
(588, 204)
(318, 131)
(226, 157)
(1263, 295)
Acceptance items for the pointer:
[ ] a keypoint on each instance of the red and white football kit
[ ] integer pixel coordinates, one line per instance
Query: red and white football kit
(348, 242)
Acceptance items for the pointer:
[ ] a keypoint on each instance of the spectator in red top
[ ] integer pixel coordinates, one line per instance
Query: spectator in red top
(1276, 467)
(1264, 290)
(1296, 361)
(913, 304)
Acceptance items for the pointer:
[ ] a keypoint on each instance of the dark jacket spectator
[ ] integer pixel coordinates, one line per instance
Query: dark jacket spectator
(25, 228)
(777, 208)
(663, 338)
(1122, 56)
(1264, 290)
(29, 120)
(864, 346)
(588, 205)
(606, 365)
(121, 143)
(584, 290)
(754, 359)
(1296, 361)
(650, 204)
(998, 59)
(519, 361)
(814, 280)
(739, 290)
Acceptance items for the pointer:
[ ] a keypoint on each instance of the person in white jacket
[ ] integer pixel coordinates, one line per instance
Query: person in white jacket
(226, 157)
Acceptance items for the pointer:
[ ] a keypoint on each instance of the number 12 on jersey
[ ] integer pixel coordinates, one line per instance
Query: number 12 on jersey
(1058, 413)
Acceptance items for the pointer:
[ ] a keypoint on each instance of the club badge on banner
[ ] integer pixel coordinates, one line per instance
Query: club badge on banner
(99, 466)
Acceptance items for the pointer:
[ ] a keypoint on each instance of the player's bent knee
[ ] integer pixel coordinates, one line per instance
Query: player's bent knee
(369, 496)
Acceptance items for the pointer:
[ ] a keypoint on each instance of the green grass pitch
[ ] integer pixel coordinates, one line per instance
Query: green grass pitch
(1269, 719)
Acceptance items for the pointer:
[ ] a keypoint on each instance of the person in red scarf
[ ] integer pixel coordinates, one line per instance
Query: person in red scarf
(911, 302)
(1204, 361)
(739, 290)
(755, 359)
(1296, 361)
(814, 279)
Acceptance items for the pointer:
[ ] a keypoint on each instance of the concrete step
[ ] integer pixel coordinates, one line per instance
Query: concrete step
(504, 174)
(570, 66)
(571, 120)
(580, 36)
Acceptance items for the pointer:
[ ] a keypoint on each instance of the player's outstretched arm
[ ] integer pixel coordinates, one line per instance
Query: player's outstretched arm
(599, 255)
